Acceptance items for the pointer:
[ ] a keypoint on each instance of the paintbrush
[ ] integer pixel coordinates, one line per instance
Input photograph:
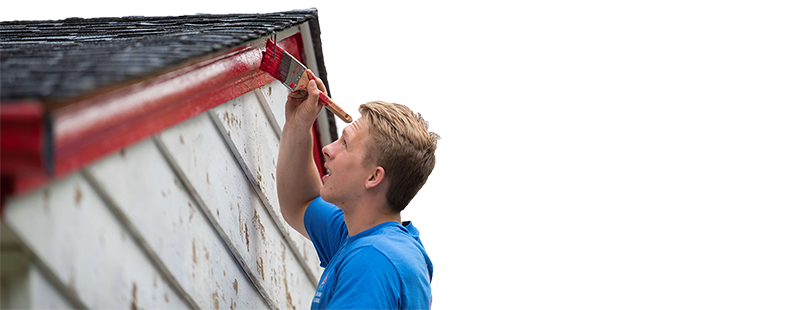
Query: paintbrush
(282, 66)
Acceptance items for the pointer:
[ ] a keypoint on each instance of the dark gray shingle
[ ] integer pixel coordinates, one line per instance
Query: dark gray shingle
(56, 60)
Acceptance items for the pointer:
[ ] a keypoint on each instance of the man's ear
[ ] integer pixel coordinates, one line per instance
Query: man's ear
(376, 178)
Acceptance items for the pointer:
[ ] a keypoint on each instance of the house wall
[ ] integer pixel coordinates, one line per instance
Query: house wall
(188, 218)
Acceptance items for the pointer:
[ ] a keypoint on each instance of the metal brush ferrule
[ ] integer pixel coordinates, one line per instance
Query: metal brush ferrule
(294, 73)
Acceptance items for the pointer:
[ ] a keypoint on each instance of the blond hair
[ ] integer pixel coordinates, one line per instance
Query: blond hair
(403, 146)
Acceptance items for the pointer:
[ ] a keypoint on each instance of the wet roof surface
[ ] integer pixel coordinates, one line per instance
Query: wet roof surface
(56, 60)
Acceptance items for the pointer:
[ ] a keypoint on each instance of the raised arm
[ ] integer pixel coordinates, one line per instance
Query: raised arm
(297, 176)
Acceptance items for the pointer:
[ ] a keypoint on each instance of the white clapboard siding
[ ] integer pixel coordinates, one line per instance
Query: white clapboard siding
(273, 99)
(255, 144)
(202, 157)
(80, 241)
(157, 205)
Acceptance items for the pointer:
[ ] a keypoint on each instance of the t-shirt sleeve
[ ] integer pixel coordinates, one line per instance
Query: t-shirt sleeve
(367, 280)
(325, 226)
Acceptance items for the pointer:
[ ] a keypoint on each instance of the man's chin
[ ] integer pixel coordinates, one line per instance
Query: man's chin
(330, 197)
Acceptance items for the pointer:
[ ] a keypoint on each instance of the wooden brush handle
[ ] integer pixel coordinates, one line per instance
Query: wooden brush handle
(335, 108)
(327, 101)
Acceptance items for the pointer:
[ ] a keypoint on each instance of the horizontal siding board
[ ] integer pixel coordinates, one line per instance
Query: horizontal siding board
(155, 201)
(255, 143)
(275, 94)
(202, 156)
(73, 233)
(246, 125)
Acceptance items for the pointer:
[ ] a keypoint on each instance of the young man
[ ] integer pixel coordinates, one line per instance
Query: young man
(372, 260)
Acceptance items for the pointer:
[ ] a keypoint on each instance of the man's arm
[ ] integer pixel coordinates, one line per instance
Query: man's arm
(297, 177)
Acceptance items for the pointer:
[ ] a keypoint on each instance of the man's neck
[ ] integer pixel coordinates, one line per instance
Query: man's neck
(367, 216)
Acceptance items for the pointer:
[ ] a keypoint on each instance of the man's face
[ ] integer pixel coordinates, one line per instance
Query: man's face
(344, 159)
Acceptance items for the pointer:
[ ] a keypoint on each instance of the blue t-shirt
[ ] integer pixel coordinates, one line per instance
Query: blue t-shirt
(384, 267)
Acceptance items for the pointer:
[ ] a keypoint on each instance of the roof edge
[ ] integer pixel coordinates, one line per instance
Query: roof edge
(83, 132)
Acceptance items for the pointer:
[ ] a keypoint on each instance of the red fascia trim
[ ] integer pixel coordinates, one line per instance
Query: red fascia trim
(103, 124)
(22, 137)
(87, 130)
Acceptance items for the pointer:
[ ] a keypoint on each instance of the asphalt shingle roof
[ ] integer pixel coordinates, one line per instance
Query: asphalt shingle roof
(56, 60)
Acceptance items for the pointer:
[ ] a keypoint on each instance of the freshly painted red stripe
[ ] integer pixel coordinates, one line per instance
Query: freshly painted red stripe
(87, 135)
(294, 46)
(22, 133)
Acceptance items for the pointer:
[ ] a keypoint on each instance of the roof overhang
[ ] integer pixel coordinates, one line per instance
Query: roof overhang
(50, 144)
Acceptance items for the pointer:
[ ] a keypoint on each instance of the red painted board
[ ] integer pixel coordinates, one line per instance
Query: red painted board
(105, 124)
(22, 137)
(294, 46)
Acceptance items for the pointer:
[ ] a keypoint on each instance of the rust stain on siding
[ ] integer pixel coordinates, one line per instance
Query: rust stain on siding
(240, 218)
(215, 296)
(231, 119)
(260, 266)
(46, 198)
(261, 229)
(78, 196)
(181, 137)
(133, 301)
(247, 237)
(289, 303)
(166, 296)
(236, 286)
(194, 252)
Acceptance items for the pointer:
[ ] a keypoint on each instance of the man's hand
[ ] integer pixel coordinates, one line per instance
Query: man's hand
(302, 104)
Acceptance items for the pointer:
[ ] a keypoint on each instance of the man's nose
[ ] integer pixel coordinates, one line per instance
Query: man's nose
(326, 151)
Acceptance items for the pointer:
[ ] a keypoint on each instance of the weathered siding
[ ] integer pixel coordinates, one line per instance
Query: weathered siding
(75, 235)
(152, 197)
(188, 218)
